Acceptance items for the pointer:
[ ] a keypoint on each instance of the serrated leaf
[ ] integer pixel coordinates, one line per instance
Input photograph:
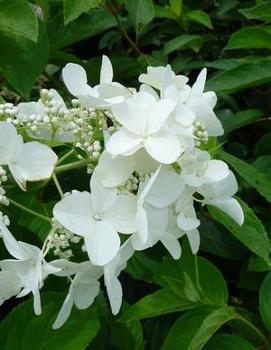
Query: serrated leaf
(192, 330)
(261, 12)
(23, 330)
(22, 60)
(200, 17)
(241, 77)
(250, 38)
(193, 42)
(252, 233)
(18, 18)
(261, 182)
(141, 13)
(74, 8)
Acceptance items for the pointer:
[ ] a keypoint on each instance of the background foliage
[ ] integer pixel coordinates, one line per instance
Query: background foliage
(222, 298)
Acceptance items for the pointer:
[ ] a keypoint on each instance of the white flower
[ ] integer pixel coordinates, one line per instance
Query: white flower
(143, 120)
(83, 289)
(98, 217)
(219, 194)
(197, 168)
(31, 161)
(28, 265)
(10, 285)
(102, 95)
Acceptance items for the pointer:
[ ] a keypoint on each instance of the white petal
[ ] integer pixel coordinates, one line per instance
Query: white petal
(194, 240)
(198, 87)
(13, 246)
(102, 197)
(106, 75)
(216, 170)
(206, 116)
(122, 142)
(210, 98)
(103, 244)
(166, 188)
(163, 147)
(85, 293)
(122, 214)
(227, 187)
(10, 285)
(64, 312)
(142, 225)
(144, 163)
(184, 115)
(114, 292)
(157, 114)
(10, 142)
(75, 79)
(36, 300)
(75, 213)
(34, 162)
(172, 244)
(187, 223)
(231, 207)
(113, 171)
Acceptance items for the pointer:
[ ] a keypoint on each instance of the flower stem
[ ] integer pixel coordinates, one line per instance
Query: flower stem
(30, 211)
(57, 184)
(70, 166)
(255, 329)
(66, 155)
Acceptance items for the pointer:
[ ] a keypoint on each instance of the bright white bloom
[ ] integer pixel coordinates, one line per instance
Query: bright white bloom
(28, 265)
(31, 161)
(102, 95)
(98, 217)
(10, 285)
(197, 168)
(83, 289)
(219, 194)
(143, 126)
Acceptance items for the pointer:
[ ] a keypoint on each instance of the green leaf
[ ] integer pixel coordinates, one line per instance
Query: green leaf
(141, 13)
(74, 8)
(85, 26)
(176, 7)
(192, 330)
(250, 38)
(263, 146)
(23, 330)
(241, 77)
(240, 119)
(261, 182)
(228, 342)
(22, 60)
(18, 18)
(193, 42)
(265, 301)
(252, 233)
(261, 12)
(258, 265)
(163, 301)
(200, 17)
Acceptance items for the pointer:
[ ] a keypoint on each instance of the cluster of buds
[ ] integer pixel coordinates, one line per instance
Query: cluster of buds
(200, 134)
(3, 178)
(8, 110)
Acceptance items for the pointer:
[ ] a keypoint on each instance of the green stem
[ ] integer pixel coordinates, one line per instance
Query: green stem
(255, 329)
(73, 165)
(66, 155)
(57, 184)
(30, 211)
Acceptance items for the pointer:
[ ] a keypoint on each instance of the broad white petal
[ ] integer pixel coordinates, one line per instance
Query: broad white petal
(231, 207)
(163, 147)
(36, 300)
(216, 170)
(166, 189)
(85, 293)
(75, 79)
(10, 285)
(113, 171)
(34, 162)
(12, 245)
(142, 225)
(102, 197)
(64, 312)
(227, 187)
(207, 117)
(198, 86)
(144, 163)
(184, 115)
(122, 214)
(75, 213)
(10, 142)
(172, 244)
(103, 244)
(123, 141)
(106, 74)
(158, 113)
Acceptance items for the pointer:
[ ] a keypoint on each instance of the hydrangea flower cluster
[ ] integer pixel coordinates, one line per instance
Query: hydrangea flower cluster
(145, 151)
